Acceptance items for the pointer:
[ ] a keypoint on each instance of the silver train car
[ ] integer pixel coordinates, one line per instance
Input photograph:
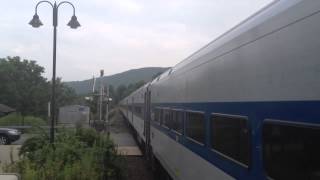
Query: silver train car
(246, 106)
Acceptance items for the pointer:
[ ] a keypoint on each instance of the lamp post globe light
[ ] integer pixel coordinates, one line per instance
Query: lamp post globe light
(74, 24)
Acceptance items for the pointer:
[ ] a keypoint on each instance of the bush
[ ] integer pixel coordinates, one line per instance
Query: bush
(79, 154)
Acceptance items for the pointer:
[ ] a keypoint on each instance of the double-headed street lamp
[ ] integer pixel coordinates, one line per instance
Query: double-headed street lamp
(73, 23)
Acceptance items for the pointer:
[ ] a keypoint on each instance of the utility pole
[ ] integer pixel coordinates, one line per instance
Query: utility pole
(107, 111)
(101, 95)
(93, 119)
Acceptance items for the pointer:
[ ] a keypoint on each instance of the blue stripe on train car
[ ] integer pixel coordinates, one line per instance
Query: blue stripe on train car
(257, 112)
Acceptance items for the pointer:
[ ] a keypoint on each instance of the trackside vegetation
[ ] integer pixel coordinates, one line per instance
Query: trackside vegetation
(81, 154)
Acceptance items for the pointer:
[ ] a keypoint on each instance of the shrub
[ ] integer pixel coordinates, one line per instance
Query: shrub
(78, 154)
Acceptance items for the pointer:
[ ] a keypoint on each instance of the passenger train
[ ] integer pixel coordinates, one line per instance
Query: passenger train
(246, 106)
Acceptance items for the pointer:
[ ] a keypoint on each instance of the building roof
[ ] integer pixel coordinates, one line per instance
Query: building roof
(6, 109)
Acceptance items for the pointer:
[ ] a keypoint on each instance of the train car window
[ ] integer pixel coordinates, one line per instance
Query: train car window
(195, 126)
(166, 118)
(138, 110)
(177, 121)
(291, 151)
(161, 116)
(230, 136)
(141, 111)
(157, 115)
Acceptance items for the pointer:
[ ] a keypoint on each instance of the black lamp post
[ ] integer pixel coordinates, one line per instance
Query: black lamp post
(73, 23)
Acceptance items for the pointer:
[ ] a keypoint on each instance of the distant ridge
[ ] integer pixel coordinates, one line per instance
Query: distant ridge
(124, 78)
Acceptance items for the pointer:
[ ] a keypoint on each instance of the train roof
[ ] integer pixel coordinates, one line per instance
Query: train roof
(254, 20)
(272, 9)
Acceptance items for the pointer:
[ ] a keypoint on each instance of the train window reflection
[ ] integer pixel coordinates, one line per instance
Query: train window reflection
(166, 118)
(157, 115)
(291, 151)
(138, 110)
(230, 136)
(161, 116)
(195, 126)
(177, 121)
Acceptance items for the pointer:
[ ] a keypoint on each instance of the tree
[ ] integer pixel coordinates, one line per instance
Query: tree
(132, 87)
(65, 95)
(22, 86)
(111, 91)
(122, 91)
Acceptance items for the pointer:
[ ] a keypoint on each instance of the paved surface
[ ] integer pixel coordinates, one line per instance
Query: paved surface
(9, 177)
(120, 134)
(129, 150)
(8, 153)
(137, 168)
(123, 139)
(22, 139)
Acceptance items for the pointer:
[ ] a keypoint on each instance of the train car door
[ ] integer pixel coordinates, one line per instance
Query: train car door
(147, 119)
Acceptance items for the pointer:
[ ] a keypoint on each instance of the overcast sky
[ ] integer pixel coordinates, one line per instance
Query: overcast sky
(118, 35)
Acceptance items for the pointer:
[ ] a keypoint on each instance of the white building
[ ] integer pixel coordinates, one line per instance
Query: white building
(74, 114)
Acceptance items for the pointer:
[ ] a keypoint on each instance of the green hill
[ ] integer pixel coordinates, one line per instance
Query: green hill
(124, 78)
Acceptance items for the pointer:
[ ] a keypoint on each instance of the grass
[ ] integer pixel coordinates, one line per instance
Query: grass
(15, 119)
